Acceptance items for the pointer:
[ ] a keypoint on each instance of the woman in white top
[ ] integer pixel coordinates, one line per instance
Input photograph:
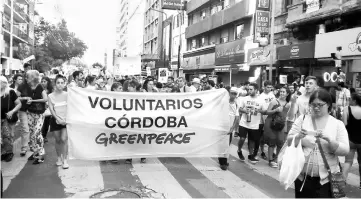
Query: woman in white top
(57, 107)
(313, 181)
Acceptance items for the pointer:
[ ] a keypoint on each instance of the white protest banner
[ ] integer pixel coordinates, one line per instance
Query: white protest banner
(110, 125)
(127, 66)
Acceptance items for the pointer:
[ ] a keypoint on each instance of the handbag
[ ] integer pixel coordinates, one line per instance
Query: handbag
(15, 117)
(337, 181)
(278, 122)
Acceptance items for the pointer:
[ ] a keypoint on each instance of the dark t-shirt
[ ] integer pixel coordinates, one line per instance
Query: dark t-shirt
(8, 103)
(35, 95)
(25, 91)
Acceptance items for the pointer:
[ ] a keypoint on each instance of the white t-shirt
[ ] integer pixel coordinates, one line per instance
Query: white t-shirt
(192, 89)
(254, 104)
(233, 112)
(302, 105)
(266, 99)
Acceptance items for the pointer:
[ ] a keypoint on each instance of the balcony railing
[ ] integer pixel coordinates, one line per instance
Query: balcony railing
(21, 11)
(19, 33)
(6, 24)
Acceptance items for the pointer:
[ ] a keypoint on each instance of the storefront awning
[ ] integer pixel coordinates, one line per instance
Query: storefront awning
(235, 68)
(296, 51)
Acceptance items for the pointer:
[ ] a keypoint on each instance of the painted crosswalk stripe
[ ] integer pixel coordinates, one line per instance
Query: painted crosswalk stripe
(82, 179)
(230, 183)
(155, 175)
(192, 180)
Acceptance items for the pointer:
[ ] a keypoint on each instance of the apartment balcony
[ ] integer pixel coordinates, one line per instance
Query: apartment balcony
(298, 14)
(221, 18)
(19, 14)
(195, 4)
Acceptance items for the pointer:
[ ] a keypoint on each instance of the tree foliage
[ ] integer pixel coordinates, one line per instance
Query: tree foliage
(55, 44)
(97, 65)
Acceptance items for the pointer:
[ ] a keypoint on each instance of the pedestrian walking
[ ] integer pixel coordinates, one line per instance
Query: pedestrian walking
(352, 118)
(233, 119)
(10, 104)
(48, 87)
(276, 113)
(57, 106)
(35, 113)
(312, 131)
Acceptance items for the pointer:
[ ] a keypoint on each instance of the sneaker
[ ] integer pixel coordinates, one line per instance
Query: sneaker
(143, 160)
(128, 161)
(263, 156)
(39, 160)
(65, 164)
(224, 167)
(240, 155)
(252, 160)
(8, 157)
(23, 152)
(59, 162)
(273, 164)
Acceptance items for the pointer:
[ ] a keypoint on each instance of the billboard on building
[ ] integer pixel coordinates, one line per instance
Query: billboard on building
(261, 24)
(172, 5)
(127, 66)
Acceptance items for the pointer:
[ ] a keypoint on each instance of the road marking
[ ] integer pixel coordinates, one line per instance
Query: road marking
(82, 176)
(156, 176)
(192, 180)
(231, 184)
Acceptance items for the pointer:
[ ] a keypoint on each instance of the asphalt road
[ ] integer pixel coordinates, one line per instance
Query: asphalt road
(158, 178)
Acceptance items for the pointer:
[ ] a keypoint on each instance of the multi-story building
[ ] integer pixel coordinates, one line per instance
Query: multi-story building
(130, 29)
(219, 34)
(17, 24)
(153, 48)
(318, 29)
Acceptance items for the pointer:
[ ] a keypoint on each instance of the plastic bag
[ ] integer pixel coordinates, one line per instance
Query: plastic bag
(292, 164)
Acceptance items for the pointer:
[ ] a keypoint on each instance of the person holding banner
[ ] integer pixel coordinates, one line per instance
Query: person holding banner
(90, 82)
(148, 86)
(57, 106)
(234, 118)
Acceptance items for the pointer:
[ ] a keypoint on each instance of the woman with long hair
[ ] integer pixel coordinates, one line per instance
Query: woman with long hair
(149, 87)
(57, 105)
(316, 129)
(276, 137)
(48, 87)
(10, 105)
(90, 82)
(35, 116)
(352, 118)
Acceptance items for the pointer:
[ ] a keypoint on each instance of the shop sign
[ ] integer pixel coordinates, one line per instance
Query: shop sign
(259, 56)
(297, 51)
(230, 53)
(327, 43)
(172, 5)
(261, 24)
(312, 5)
(283, 79)
(221, 69)
(330, 77)
(263, 5)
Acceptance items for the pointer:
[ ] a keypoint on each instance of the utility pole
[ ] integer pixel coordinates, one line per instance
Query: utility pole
(11, 36)
(272, 39)
(181, 12)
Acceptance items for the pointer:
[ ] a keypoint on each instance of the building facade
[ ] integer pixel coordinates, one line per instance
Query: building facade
(218, 35)
(17, 30)
(130, 29)
(317, 29)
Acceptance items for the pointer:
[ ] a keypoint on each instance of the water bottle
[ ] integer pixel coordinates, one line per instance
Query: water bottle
(249, 117)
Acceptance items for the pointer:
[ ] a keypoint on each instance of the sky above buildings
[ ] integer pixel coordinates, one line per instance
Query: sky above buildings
(93, 21)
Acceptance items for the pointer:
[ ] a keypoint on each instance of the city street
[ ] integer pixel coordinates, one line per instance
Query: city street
(158, 178)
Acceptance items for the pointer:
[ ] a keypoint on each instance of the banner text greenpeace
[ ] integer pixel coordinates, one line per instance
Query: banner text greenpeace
(112, 125)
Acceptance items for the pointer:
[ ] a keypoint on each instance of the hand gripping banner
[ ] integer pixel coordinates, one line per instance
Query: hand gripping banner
(112, 125)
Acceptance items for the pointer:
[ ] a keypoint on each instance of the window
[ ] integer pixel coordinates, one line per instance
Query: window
(182, 18)
(214, 9)
(203, 41)
(286, 4)
(224, 40)
(194, 44)
(239, 31)
(190, 19)
(224, 36)
(178, 18)
(174, 20)
(203, 14)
